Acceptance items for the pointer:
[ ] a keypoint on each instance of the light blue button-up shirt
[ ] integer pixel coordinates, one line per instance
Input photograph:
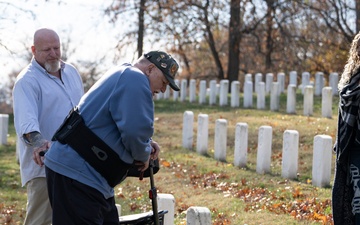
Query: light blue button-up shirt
(41, 101)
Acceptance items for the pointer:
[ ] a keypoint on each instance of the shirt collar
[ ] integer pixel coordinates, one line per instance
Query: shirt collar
(39, 67)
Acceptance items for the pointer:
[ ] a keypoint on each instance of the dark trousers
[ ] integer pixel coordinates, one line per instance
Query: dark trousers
(74, 203)
(355, 183)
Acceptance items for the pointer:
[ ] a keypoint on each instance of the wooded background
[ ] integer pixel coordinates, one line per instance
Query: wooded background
(219, 39)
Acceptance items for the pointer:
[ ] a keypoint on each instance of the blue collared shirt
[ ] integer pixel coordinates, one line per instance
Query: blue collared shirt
(40, 103)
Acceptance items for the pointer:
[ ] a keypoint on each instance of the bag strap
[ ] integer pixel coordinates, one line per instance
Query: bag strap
(90, 147)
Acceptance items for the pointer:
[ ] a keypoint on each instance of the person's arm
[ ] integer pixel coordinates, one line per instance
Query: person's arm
(39, 144)
(132, 109)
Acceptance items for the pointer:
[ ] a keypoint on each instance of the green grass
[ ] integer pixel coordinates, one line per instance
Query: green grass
(233, 195)
(12, 195)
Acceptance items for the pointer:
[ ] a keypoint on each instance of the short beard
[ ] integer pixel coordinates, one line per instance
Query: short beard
(52, 67)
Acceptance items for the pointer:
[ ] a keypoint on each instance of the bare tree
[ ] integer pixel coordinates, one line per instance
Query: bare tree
(159, 17)
(273, 36)
(119, 9)
(336, 15)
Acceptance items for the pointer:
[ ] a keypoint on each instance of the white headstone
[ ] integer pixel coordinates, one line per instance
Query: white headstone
(263, 158)
(118, 208)
(4, 126)
(220, 140)
(308, 100)
(319, 83)
(183, 90)
(176, 93)
(224, 90)
(321, 166)
(235, 93)
(291, 99)
(333, 82)
(202, 134)
(305, 81)
(281, 81)
(293, 78)
(192, 91)
(326, 102)
(212, 96)
(260, 104)
(248, 94)
(248, 77)
(290, 154)
(202, 92)
(258, 78)
(196, 215)
(159, 96)
(167, 202)
(269, 78)
(167, 92)
(187, 131)
(241, 144)
(274, 97)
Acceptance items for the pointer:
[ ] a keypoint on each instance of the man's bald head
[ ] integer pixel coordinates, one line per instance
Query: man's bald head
(46, 49)
(45, 34)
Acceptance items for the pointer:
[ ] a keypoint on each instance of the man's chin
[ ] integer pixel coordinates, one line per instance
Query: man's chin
(52, 67)
(154, 95)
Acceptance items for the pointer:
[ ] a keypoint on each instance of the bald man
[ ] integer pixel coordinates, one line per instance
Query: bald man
(44, 93)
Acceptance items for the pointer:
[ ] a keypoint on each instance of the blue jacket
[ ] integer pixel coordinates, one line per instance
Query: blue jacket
(119, 109)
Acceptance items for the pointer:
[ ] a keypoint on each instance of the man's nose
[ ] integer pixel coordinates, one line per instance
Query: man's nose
(53, 52)
(163, 89)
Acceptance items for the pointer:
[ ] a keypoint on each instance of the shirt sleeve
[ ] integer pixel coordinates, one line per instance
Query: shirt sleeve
(133, 111)
(25, 104)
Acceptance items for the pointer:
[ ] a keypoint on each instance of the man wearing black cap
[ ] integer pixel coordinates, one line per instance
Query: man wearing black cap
(106, 134)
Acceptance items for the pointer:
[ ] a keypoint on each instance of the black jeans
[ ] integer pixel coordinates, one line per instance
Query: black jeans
(74, 203)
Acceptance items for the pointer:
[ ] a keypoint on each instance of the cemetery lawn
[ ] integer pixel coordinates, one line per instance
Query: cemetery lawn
(234, 195)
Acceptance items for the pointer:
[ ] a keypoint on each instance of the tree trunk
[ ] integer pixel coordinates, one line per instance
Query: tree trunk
(141, 28)
(234, 42)
(269, 39)
(211, 41)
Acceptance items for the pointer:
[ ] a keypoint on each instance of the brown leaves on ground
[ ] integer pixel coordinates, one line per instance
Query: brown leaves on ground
(6, 214)
(285, 200)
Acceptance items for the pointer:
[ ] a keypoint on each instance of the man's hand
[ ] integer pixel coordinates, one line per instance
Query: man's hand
(155, 150)
(142, 166)
(36, 153)
(35, 141)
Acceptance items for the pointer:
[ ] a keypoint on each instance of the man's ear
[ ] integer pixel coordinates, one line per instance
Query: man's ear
(149, 68)
(33, 49)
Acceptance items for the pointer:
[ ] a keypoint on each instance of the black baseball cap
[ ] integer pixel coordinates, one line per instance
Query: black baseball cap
(166, 64)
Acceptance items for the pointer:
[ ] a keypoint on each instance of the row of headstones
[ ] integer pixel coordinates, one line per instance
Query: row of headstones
(319, 83)
(194, 215)
(221, 90)
(321, 154)
(326, 102)
(322, 147)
